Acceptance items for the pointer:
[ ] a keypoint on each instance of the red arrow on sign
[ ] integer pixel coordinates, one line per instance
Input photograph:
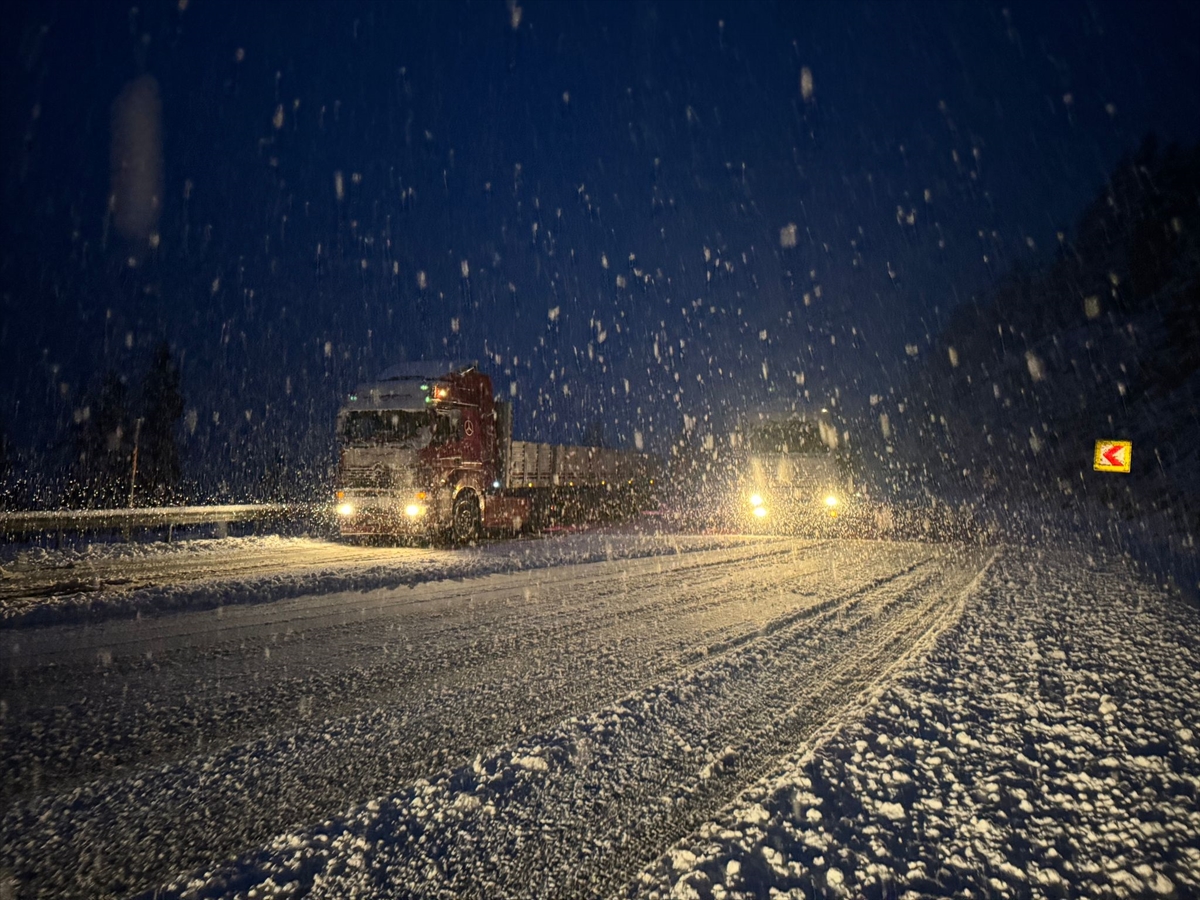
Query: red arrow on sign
(1112, 456)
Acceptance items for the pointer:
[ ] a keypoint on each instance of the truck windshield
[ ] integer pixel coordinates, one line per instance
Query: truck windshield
(395, 427)
(787, 437)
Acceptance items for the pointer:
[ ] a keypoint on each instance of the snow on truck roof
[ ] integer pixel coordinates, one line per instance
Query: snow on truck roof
(430, 369)
(780, 412)
(399, 387)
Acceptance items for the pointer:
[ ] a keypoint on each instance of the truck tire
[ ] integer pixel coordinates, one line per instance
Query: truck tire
(466, 523)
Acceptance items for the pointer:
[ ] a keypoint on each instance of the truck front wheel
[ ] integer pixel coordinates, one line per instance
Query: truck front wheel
(467, 522)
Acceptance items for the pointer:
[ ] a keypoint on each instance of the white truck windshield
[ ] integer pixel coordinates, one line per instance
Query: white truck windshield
(410, 430)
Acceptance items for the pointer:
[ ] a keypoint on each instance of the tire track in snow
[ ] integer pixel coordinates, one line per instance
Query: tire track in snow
(576, 812)
(124, 586)
(210, 626)
(50, 714)
(896, 617)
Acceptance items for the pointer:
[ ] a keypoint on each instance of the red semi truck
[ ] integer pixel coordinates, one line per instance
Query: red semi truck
(426, 450)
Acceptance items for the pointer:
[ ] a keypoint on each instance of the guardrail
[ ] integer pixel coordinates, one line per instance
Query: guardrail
(64, 521)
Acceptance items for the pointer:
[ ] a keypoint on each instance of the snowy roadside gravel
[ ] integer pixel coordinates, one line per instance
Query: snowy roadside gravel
(1048, 747)
(102, 581)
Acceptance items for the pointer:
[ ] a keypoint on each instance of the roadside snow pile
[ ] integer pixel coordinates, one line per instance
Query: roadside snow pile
(205, 574)
(1049, 747)
(85, 549)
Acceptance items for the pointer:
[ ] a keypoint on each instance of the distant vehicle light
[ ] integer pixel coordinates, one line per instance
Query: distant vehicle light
(412, 510)
(421, 495)
(496, 485)
(831, 501)
(756, 500)
(760, 511)
(345, 509)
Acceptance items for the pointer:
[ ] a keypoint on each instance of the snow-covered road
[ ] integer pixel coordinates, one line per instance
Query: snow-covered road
(547, 731)
(89, 582)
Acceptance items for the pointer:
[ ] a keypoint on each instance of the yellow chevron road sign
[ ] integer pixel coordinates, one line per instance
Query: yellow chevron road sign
(1112, 456)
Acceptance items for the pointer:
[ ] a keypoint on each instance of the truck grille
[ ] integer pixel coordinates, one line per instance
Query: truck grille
(377, 476)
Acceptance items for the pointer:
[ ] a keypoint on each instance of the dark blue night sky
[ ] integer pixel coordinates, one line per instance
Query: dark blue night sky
(597, 201)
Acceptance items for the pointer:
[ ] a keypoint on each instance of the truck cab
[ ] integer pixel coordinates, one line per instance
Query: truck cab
(426, 450)
(791, 476)
(417, 448)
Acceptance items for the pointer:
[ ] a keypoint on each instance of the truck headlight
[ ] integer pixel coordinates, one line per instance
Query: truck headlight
(412, 510)
(760, 511)
(345, 509)
(756, 500)
(831, 501)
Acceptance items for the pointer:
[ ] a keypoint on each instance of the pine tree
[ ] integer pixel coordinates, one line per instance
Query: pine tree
(103, 446)
(158, 448)
(593, 435)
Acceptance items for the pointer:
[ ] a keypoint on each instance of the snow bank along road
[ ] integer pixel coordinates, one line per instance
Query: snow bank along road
(538, 733)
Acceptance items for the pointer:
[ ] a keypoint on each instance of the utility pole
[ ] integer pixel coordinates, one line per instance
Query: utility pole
(137, 433)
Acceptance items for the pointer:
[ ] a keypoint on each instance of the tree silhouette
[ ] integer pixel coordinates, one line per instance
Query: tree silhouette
(1101, 341)
(110, 428)
(158, 448)
(593, 435)
(103, 446)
